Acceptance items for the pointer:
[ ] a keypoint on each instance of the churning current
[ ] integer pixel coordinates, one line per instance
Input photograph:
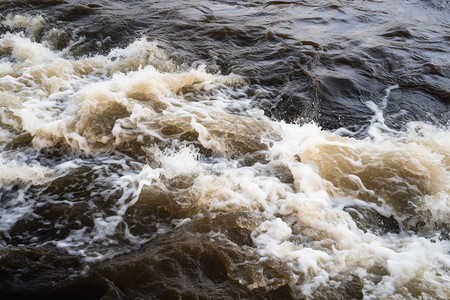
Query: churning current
(224, 149)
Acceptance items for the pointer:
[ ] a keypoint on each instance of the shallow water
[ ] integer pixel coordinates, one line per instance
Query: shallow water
(224, 149)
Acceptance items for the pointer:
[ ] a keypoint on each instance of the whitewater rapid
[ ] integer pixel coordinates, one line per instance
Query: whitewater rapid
(131, 129)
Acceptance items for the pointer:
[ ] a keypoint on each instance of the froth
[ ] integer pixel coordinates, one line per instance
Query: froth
(22, 173)
(306, 227)
(100, 102)
(307, 196)
(31, 24)
(27, 52)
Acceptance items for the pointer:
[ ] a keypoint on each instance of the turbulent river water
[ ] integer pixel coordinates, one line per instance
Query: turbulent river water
(224, 149)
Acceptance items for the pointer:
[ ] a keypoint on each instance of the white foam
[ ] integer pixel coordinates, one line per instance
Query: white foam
(14, 172)
(27, 52)
(32, 24)
(176, 163)
(295, 200)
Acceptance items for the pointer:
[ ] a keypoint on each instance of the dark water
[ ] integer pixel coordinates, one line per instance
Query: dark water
(224, 149)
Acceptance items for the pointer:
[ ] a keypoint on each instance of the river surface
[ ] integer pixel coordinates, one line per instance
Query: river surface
(225, 149)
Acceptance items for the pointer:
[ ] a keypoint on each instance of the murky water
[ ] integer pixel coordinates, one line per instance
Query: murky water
(224, 149)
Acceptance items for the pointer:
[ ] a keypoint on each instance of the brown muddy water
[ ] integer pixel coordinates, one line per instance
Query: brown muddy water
(224, 149)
